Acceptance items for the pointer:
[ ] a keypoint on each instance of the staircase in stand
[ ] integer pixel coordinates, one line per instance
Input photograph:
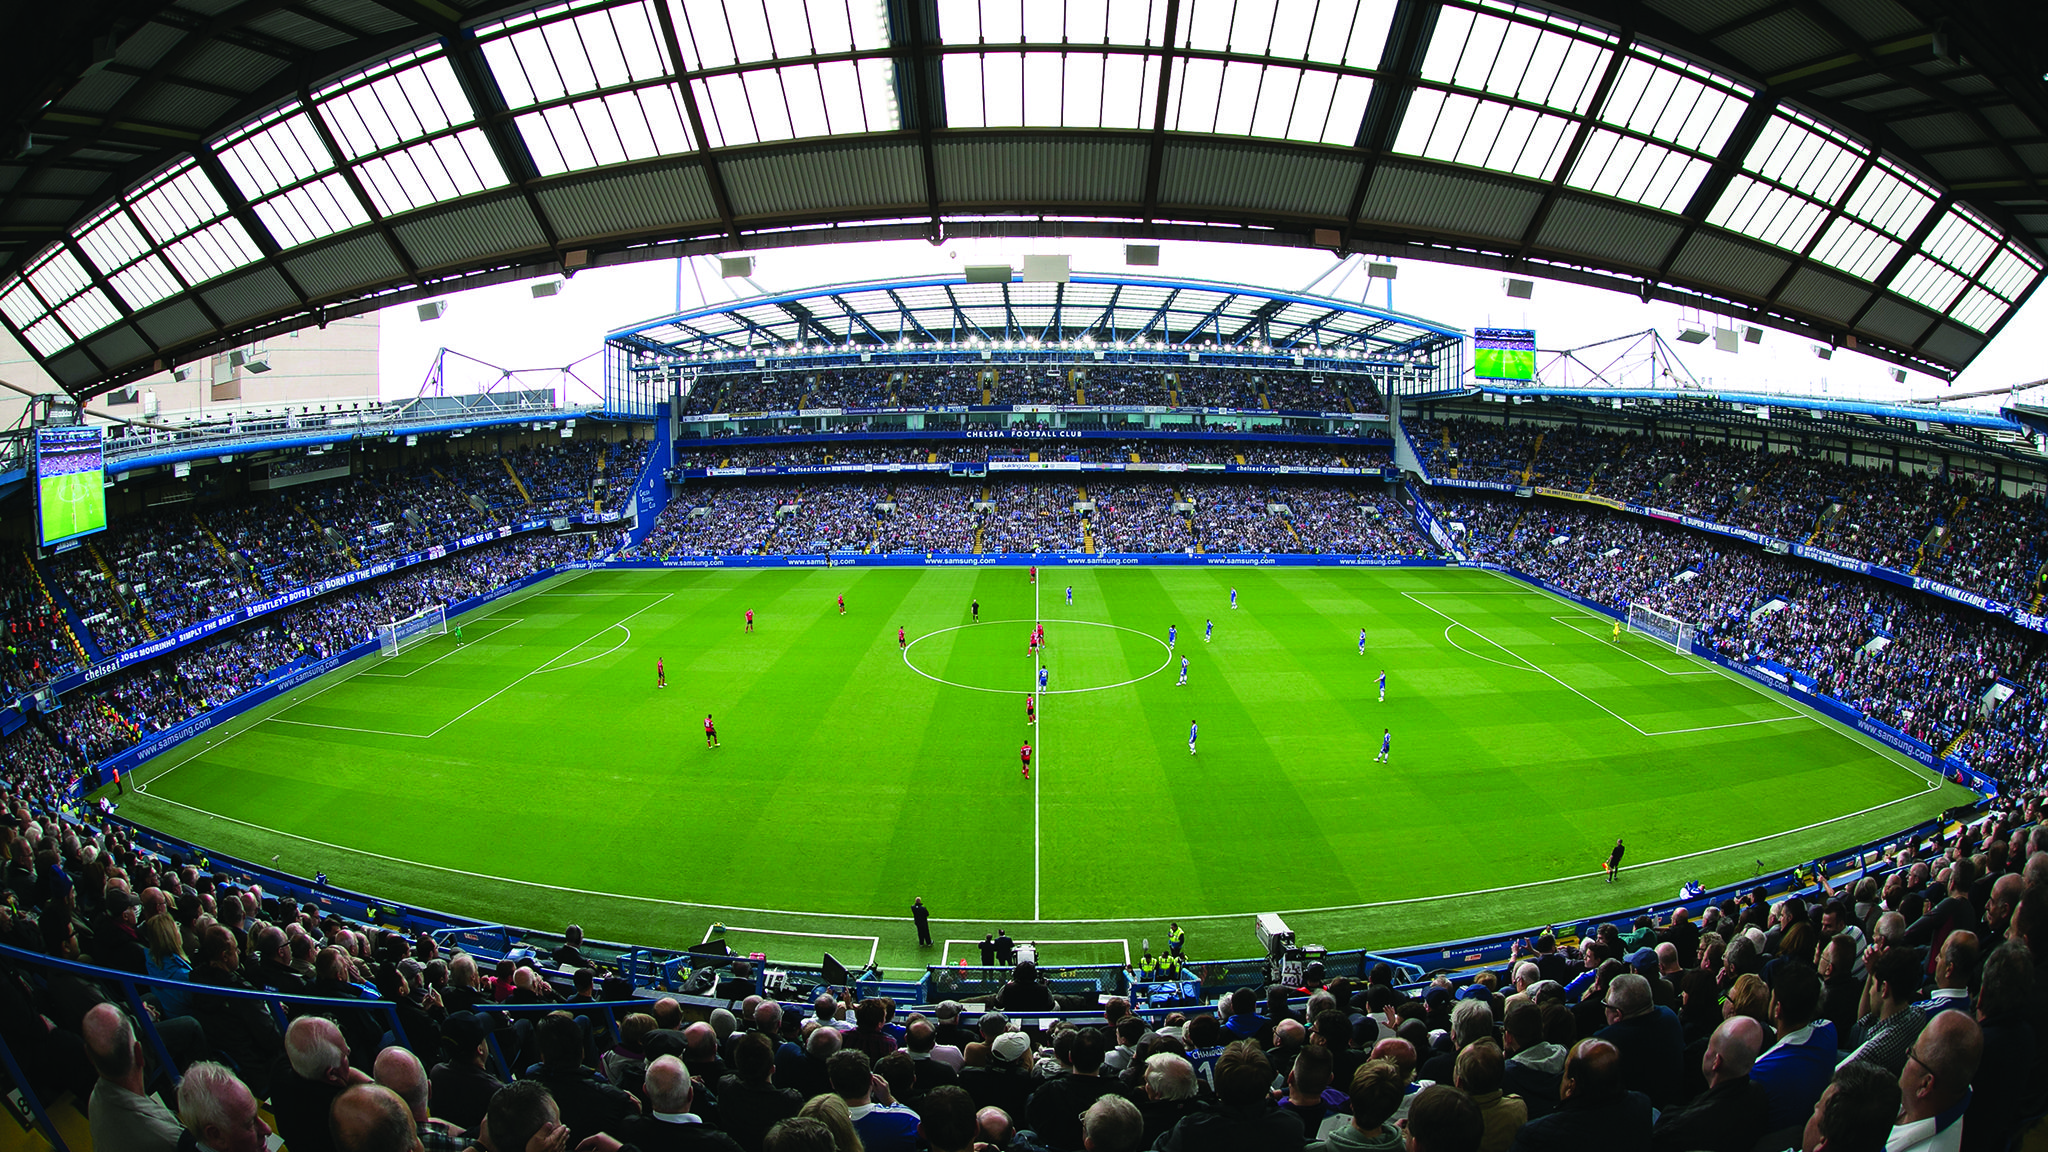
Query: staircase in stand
(72, 628)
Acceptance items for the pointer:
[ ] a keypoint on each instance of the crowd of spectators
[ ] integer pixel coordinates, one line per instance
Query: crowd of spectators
(1917, 663)
(1091, 451)
(187, 562)
(1898, 1008)
(1952, 527)
(112, 713)
(34, 645)
(788, 390)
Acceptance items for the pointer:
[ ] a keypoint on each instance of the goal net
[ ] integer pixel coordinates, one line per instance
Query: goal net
(399, 635)
(1661, 627)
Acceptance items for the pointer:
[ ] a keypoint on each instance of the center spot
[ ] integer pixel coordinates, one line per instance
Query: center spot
(1079, 656)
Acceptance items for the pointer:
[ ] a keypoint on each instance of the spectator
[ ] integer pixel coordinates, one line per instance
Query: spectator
(883, 1124)
(372, 1118)
(219, 1111)
(1885, 1036)
(1596, 1107)
(1534, 1066)
(1443, 1119)
(1855, 1112)
(317, 1072)
(1378, 1088)
(947, 1121)
(1478, 1075)
(1244, 1119)
(124, 1116)
(461, 1084)
(1055, 1109)
(1730, 1116)
(1648, 1036)
(749, 1103)
(669, 1125)
(398, 1070)
(1794, 1070)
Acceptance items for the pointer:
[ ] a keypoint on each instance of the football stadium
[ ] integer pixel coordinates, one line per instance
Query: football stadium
(992, 629)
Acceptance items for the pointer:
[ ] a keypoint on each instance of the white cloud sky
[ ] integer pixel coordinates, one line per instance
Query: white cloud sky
(505, 326)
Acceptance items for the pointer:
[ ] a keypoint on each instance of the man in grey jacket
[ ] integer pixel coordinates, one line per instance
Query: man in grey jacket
(1534, 1066)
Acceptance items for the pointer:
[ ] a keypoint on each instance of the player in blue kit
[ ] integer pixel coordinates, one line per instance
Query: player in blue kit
(1070, 595)
(1233, 597)
(1171, 630)
(1183, 672)
(1193, 731)
(1386, 746)
(1208, 631)
(1042, 670)
(1383, 685)
(1361, 641)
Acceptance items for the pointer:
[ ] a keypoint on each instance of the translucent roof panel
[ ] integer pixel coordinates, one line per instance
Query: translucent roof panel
(795, 102)
(60, 277)
(406, 99)
(66, 288)
(2010, 272)
(1050, 89)
(719, 33)
(431, 171)
(18, 302)
(1076, 22)
(310, 211)
(1352, 33)
(1960, 241)
(1980, 309)
(549, 59)
(1800, 154)
(48, 336)
(1244, 99)
(1483, 133)
(1677, 103)
(1861, 252)
(1637, 170)
(1765, 213)
(611, 129)
(145, 282)
(123, 255)
(1890, 200)
(1928, 283)
(88, 312)
(281, 153)
(1517, 57)
(214, 250)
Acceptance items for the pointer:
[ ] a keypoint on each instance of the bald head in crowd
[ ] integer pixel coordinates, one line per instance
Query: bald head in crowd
(399, 1070)
(371, 1118)
(1732, 1050)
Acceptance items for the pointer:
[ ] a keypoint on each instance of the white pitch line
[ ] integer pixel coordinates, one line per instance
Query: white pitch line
(1559, 681)
(946, 952)
(874, 942)
(1038, 750)
(551, 660)
(1566, 621)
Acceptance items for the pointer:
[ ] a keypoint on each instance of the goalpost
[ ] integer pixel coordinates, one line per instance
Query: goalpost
(1661, 627)
(399, 635)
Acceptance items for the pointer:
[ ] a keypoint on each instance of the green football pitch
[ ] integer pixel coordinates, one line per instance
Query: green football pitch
(534, 774)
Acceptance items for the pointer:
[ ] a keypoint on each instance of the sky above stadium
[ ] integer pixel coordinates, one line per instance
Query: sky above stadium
(505, 326)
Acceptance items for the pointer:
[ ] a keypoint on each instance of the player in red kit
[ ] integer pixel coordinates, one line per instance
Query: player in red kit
(660, 674)
(842, 604)
(750, 619)
(901, 640)
(1030, 709)
(710, 732)
(1034, 573)
(1024, 754)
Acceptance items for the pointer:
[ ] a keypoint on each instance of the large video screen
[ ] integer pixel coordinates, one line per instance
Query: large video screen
(71, 488)
(1504, 354)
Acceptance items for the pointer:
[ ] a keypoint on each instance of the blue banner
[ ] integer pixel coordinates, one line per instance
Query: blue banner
(1385, 473)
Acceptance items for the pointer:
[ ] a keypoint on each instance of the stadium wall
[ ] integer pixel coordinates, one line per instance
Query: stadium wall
(1020, 559)
(2032, 621)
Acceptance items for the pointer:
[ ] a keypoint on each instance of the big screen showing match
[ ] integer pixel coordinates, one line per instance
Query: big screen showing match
(1504, 354)
(71, 483)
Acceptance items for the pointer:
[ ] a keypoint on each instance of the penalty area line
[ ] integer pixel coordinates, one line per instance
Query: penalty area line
(874, 942)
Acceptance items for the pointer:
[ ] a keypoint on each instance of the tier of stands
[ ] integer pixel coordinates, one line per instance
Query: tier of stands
(1947, 527)
(1926, 674)
(789, 390)
(161, 570)
(1095, 451)
(1030, 515)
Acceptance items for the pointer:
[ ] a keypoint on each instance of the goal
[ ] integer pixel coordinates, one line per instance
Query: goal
(399, 635)
(1661, 627)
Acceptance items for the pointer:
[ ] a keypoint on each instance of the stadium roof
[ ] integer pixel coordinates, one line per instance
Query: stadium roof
(1103, 311)
(212, 171)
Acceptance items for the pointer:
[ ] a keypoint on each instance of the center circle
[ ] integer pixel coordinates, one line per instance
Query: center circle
(993, 657)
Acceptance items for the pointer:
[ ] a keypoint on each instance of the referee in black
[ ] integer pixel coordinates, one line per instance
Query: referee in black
(923, 917)
(1614, 860)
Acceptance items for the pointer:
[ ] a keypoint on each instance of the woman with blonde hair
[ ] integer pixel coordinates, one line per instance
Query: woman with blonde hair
(167, 964)
(829, 1110)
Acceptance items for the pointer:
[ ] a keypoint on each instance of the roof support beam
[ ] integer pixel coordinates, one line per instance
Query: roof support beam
(920, 89)
(1400, 65)
(1155, 154)
(238, 206)
(854, 316)
(355, 184)
(488, 102)
(1740, 140)
(1541, 216)
(903, 310)
(707, 159)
